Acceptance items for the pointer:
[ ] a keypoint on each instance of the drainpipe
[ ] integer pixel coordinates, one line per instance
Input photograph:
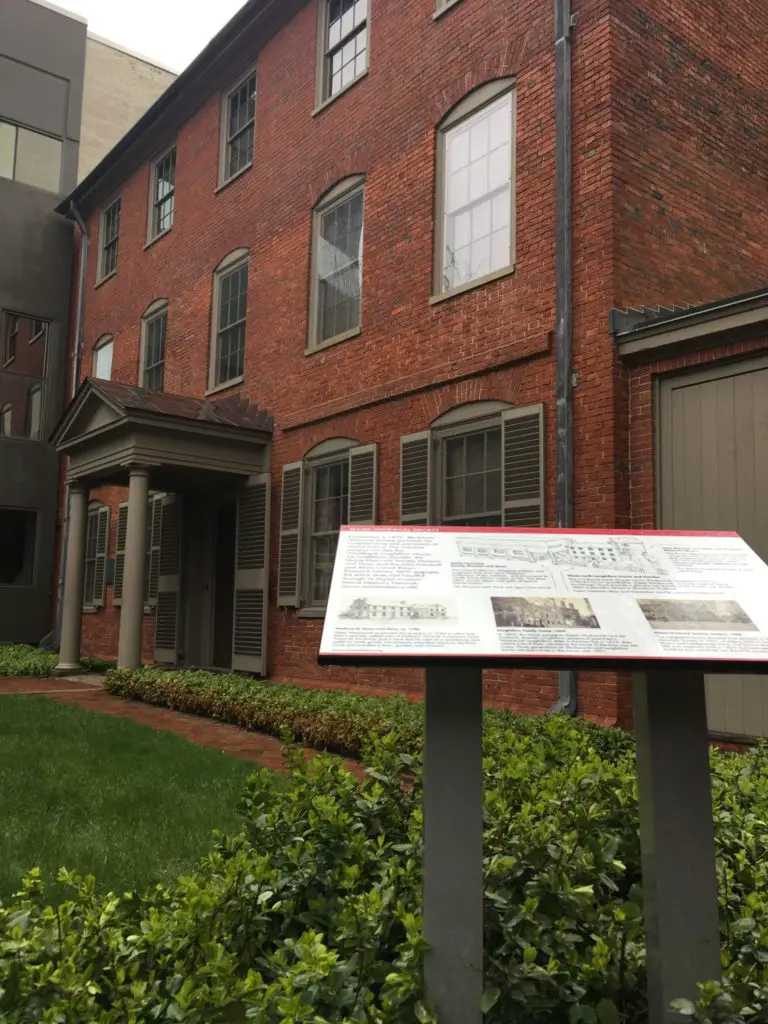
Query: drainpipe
(566, 681)
(77, 360)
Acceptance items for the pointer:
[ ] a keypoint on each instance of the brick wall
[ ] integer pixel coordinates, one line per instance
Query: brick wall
(412, 360)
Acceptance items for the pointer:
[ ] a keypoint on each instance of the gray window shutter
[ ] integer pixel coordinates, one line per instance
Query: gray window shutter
(169, 569)
(363, 484)
(415, 482)
(152, 571)
(249, 641)
(523, 466)
(122, 526)
(102, 546)
(291, 517)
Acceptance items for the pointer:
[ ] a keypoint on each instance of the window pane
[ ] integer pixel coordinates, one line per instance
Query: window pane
(472, 479)
(17, 552)
(339, 263)
(34, 408)
(330, 497)
(102, 361)
(38, 160)
(7, 149)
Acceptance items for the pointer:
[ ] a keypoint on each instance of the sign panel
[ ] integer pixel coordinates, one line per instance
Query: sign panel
(405, 594)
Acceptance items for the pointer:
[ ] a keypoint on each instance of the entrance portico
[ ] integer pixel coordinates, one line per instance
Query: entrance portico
(184, 448)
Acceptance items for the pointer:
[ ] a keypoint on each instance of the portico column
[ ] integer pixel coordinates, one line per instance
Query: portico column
(132, 612)
(72, 608)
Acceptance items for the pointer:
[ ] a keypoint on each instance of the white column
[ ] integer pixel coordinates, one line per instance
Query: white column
(72, 609)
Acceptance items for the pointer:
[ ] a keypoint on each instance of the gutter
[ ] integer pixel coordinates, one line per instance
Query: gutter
(77, 362)
(567, 685)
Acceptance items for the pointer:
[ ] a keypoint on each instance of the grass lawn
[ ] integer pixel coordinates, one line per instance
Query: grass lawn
(102, 795)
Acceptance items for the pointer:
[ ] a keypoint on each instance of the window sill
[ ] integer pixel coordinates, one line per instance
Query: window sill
(235, 177)
(445, 8)
(332, 99)
(90, 610)
(225, 386)
(355, 332)
(310, 613)
(103, 280)
(157, 237)
(496, 275)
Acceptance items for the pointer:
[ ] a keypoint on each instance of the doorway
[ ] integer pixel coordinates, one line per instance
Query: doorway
(224, 585)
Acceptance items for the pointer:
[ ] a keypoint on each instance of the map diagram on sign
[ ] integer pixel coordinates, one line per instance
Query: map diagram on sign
(566, 553)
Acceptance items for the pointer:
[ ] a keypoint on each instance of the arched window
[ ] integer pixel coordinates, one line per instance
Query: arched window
(34, 411)
(101, 365)
(334, 484)
(475, 201)
(337, 264)
(230, 307)
(154, 328)
(479, 464)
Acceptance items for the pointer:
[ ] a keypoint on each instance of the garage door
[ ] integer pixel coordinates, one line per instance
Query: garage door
(713, 475)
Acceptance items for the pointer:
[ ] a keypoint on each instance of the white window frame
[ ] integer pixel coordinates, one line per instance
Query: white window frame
(474, 103)
(104, 341)
(45, 135)
(323, 94)
(224, 138)
(340, 193)
(101, 275)
(153, 233)
(231, 262)
(153, 312)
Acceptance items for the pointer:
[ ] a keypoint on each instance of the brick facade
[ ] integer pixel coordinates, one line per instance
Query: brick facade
(669, 130)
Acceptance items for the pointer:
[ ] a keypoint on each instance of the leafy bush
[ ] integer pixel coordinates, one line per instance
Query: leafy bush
(20, 660)
(312, 913)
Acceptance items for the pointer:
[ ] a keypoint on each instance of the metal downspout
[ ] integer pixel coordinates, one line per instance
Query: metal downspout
(567, 686)
(77, 360)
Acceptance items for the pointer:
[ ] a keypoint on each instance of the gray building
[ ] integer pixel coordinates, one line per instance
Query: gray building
(44, 54)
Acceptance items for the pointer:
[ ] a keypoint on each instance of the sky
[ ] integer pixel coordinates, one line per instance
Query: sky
(171, 32)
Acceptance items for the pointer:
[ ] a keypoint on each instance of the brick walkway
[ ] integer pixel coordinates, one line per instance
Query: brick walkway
(230, 739)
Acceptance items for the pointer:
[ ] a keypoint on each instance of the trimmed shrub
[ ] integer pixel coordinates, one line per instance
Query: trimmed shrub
(20, 660)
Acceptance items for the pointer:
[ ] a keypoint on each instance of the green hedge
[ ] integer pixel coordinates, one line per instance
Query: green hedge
(312, 913)
(22, 660)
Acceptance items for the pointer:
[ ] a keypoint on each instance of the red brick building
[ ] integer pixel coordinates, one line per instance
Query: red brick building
(339, 233)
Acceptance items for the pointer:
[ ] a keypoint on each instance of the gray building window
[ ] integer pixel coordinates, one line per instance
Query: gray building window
(336, 293)
(154, 327)
(344, 44)
(17, 552)
(30, 157)
(6, 420)
(230, 309)
(34, 411)
(163, 194)
(10, 337)
(238, 120)
(110, 238)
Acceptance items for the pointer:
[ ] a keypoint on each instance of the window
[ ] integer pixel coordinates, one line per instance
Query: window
(337, 264)
(110, 237)
(11, 337)
(238, 118)
(6, 421)
(475, 218)
(102, 358)
(96, 546)
(30, 157)
(154, 326)
(163, 194)
(343, 45)
(336, 483)
(39, 330)
(480, 464)
(17, 552)
(34, 411)
(230, 305)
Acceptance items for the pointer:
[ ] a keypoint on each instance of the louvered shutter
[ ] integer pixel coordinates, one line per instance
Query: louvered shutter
(122, 527)
(102, 547)
(523, 466)
(363, 484)
(291, 516)
(169, 568)
(415, 482)
(154, 529)
(249, 640)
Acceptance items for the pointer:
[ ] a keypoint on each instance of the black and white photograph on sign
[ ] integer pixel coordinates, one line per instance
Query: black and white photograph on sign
(544, 613)
(723, 616)
(612, 555)
(385, 609)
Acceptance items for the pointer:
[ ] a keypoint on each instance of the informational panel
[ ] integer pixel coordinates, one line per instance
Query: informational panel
(416, 593)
